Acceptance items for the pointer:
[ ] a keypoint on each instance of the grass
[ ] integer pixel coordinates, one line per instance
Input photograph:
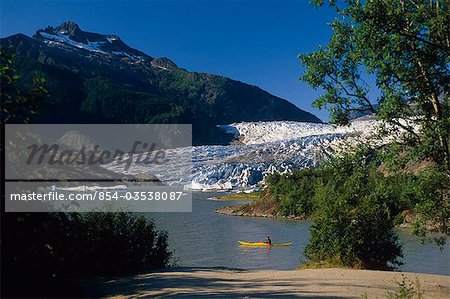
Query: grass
(406, 289)
(240, 196)
(334, 262)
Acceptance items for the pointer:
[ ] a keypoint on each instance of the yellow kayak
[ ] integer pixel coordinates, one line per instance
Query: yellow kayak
(263, 244)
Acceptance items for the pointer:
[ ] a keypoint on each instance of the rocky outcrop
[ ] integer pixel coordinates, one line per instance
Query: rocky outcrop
(164, 63)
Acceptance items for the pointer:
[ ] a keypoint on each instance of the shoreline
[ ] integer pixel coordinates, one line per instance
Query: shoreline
(234, 210)
(230, 283)
(237, 211)
(241, 196)
(221, 198)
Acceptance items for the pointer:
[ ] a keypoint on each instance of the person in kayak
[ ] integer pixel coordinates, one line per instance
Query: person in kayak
(268, 241)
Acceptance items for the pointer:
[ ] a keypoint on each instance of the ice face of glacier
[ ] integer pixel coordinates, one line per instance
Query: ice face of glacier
(264, 147)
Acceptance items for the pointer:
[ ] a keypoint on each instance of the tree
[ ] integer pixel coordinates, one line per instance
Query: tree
(47, 254)
(17, 106)
(354, 226)
(405, 46)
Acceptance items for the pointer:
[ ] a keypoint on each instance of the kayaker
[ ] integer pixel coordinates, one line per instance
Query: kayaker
(268, 241)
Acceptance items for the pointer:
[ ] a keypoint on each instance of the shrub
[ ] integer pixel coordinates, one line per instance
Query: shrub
(294, 193)
(407, 289)
(431, 192)
(129, 240)
(354, 223)
(46, 254)
(356, 204)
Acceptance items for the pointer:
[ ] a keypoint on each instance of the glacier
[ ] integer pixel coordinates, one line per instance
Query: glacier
(261, 148)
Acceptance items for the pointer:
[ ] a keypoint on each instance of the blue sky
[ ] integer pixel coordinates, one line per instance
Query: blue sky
(256, 42)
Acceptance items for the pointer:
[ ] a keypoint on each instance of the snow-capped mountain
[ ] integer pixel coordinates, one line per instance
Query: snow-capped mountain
(98, 78)
(69, 36)
(265, 147)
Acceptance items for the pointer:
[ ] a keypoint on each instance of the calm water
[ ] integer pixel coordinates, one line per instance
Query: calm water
(204, 238)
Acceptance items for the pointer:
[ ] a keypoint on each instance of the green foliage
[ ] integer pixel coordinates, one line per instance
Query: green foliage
(124, 104)
(240, 196)
(407, 289)
(355, 222)
(294, 194)
(355, 207)
(405, 47)
(431, 191)
(297, 194)
(86, 89)
(47, 253)
(358, 235)
(129, 240)
(332, 262)
(18, 106)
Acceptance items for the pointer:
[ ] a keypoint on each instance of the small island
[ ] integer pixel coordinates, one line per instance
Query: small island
(238, 196)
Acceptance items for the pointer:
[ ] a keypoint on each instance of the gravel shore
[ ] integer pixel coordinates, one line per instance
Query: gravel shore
(235, 283)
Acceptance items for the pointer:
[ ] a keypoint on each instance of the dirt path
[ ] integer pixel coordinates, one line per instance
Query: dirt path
(232, 283)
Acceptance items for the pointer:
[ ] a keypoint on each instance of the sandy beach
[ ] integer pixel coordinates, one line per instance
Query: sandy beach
(235, 283)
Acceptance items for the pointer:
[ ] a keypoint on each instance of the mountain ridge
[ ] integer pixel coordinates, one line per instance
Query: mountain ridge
(103, 80)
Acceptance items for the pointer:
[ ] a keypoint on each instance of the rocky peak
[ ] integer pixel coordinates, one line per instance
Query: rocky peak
(68, 35)
(69, 28)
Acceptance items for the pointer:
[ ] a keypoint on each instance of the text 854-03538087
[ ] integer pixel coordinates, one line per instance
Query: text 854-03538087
(147, 195)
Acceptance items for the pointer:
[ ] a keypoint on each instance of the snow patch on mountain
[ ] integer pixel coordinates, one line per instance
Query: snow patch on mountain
(62, 39)
(125, 54)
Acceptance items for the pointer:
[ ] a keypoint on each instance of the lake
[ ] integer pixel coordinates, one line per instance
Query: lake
(206, 239)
